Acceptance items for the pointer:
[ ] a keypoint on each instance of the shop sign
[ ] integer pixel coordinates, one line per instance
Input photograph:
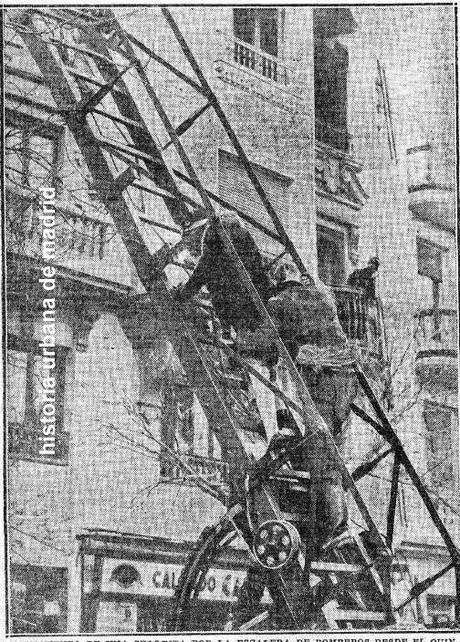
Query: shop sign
(161, 580)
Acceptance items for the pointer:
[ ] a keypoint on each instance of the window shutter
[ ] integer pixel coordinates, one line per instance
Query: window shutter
(429, 257)
(236, 188)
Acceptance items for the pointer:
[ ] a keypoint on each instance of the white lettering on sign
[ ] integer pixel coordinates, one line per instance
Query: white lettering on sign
(161, 580)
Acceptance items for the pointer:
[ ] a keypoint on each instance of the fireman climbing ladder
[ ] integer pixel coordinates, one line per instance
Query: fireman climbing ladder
(89, 63)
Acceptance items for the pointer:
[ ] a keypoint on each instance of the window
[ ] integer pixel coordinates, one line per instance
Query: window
(257, 27)
(440, 610)
(236, 188)
(32, 150)
(257, 41)
(331, 255)
(441, 422)
(330, 71)
(185, 431)
(25, 375)
(429, 259)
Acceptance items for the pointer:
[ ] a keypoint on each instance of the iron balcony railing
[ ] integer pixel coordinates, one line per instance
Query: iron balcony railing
(352, 310)
(214, 471)
(260, 62)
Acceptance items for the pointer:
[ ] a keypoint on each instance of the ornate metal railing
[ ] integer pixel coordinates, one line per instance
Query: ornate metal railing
(352, 310)
(260, 62)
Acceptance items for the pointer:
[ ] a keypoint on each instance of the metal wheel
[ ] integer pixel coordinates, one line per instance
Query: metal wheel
(252, 608)
(346, 598)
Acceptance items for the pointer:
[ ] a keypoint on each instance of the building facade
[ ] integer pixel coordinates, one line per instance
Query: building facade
(358, 162)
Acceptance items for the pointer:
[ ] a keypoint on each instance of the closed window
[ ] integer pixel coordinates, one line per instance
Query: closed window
(32, 150)
(236, 188)
(429, 260)
(26, 372)
(257, 27)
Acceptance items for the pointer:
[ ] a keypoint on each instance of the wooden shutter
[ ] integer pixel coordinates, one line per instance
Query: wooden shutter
(429, 258)
(236, 188)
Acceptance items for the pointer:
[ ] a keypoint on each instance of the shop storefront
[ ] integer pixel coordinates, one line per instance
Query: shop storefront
(128, 584)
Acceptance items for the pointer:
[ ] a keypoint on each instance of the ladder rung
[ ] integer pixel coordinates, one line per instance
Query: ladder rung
(83, 50)
(78, 12)
(92, 80)
(357, 616)
(162, 193)
(120, 119)
(130, 151)
(198, 215)
(231, 379)
(88, 104)
(188, 122)
(335, 567)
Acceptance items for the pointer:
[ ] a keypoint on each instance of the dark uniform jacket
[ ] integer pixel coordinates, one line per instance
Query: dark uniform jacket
(218, 271)
(306, 314)
(364, 279)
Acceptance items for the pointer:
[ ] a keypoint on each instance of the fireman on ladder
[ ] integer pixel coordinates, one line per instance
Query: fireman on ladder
(305, 316)
(220, 272)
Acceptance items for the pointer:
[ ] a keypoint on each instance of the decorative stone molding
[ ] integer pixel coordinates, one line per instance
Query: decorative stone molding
(82, 326)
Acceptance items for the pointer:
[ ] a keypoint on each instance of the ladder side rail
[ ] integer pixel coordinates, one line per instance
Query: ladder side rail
(96, 162)
(86, 141)
(405, 461)
(141, 138)
(234, 140)
(310, 413)
(393, 501)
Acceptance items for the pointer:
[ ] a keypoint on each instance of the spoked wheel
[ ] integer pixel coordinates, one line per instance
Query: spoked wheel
(345, 590)
(258, 604)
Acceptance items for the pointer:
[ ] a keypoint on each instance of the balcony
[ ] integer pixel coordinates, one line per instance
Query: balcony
(361, 322)
(431, 196)
(260, 62)
(84, 243)
(214, 471)
(352, 311)
(437, 354)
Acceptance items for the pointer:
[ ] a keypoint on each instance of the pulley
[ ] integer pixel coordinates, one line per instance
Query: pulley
(276, 542)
